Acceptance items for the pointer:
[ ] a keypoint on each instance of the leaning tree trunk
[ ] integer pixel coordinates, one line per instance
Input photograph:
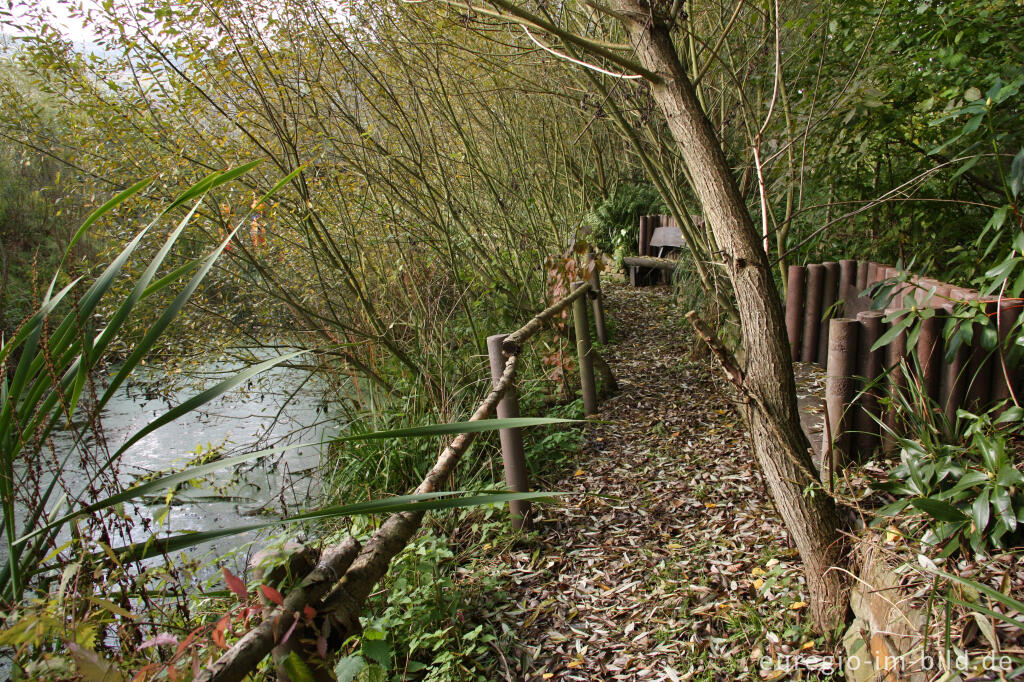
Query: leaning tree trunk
(769, 390)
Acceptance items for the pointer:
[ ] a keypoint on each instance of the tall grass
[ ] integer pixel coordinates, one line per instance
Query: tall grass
(47, 382)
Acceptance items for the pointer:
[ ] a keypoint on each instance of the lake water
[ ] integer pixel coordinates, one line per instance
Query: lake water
(279, 407)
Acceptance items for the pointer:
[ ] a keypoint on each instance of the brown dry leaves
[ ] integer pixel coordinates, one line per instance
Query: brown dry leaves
(671, 550)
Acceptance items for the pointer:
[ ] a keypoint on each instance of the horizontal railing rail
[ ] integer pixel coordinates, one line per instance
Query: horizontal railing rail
(343, 578)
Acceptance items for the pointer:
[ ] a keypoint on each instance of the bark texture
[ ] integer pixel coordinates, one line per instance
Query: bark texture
(769, 391)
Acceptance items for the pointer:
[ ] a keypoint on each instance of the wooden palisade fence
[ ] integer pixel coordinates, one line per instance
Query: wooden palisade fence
(336, 588)
(829, 322)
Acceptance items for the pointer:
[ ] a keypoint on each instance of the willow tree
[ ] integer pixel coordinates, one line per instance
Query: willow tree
(652, 47)
(424, 200)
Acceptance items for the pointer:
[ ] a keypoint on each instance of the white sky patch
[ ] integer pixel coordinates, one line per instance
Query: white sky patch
(21, 19)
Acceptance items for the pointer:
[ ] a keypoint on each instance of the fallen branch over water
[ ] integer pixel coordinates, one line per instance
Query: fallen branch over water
(361, 572)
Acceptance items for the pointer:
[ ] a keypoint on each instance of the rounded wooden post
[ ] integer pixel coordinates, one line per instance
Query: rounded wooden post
(1005, 376)
(895, 353)
(512, 453)
(597, 302)
(862, 275)
(583, 352)
(929, 355)
(847, 281)
(840, 389)
(875, 273)
(795, 308)
(829, 296)
(954, 380)
(979, 365)
(869, 366)
(812, 312)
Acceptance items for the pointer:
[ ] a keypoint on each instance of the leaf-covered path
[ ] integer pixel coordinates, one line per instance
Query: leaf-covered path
(671, 563)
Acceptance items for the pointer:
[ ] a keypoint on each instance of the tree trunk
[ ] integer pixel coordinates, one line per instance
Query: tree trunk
(781, 448)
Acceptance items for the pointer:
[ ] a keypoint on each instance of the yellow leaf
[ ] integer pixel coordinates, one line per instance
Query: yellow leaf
(674, 545)
(575, 664)
(796, 606)
(110, 606)
(757, 570)
(807, 645)
(892, 534)
(758, 584)
(547, 676)
(710, 505)
(579, 472)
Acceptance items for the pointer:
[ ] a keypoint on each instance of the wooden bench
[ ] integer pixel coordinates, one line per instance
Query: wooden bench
(659, 238)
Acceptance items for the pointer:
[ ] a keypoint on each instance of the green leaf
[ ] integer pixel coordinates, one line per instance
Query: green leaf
(980, 511)
(379, 650)
(106, 208)
(297, 669)
(1017, 173)
(1010, 603)
(459, 427)
(939, 510)
(424, 502)
(973, 124)
(348, 668)
(895, 330)
(1001, 501)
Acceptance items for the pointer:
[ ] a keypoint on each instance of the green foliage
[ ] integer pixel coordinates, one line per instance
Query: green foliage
(425, 626)
(961, 496)
(902, 165)
(615, 221)
(34, 227)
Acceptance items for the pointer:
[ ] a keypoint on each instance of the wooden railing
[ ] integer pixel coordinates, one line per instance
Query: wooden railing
(829, 322)
(335, 590)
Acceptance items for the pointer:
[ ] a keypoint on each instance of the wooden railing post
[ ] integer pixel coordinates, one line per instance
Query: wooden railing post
(979, 365)
(862, 276)
(929, 355)
(583, 352)
(513, 455)
(598, 299)
(954, 381)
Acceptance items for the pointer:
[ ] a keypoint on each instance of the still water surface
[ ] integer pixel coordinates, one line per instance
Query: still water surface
(279, 407)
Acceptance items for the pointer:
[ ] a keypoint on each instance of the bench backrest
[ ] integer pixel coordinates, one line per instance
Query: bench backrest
(669, 235)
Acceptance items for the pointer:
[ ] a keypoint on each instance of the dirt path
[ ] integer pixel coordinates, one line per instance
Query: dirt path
(652, 573)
